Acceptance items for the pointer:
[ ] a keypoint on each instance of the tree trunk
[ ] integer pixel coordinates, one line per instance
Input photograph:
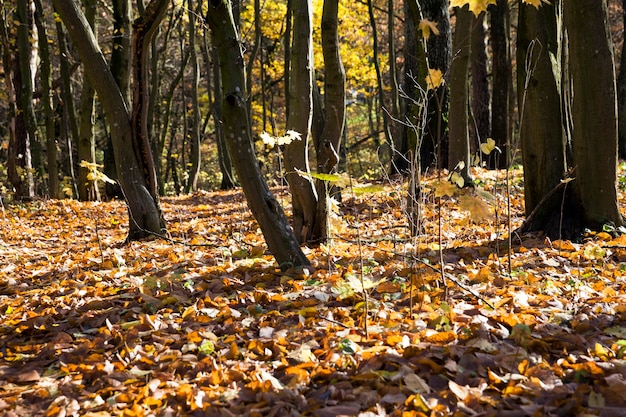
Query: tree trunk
(47, 101)
(541, 126)
(194, 131)
(279, 236)
(435, 144)
(145, 215)
(25, 111)
(459, 151)
(501, 80)
(594, 110)
(335, 109)
(86, 146)
(480, 129)
(303, 194)
(621, 93)
(121, 55)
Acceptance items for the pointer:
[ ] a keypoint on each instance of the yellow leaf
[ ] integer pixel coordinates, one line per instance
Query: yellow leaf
(475, 6)
(444, 188)
(434, 79)
(457, 179)
(427, 26)
(488, 147)
(535, 3)
(479, 210)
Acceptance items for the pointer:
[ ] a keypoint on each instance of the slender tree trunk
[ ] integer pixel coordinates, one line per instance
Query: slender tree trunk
(379, 76)
(335, 109)
(501, 80)
(304, 196)
(194, 136)
(47, 101)
(459, 152)
(144, 28)
(144, 213)
(86, 146)
(480, 129)
(121, 50)
(223, 156)
(279, 236)
(24, 74)
(439, 56)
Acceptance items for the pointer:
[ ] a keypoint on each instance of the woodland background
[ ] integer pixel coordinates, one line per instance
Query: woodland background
(426, 297)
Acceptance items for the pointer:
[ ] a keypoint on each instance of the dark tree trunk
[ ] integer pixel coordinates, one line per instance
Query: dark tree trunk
(144, 213)
(279, 236)
(501, 81)
(480, 129)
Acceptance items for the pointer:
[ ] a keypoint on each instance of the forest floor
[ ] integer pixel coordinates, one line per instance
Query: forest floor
(207, 324)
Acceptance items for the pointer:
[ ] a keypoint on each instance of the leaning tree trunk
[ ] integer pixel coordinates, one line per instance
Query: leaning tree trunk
(334, 85)
(303, 194)
(594, 111)
(144, 213)
(279, 236)
(459, 151)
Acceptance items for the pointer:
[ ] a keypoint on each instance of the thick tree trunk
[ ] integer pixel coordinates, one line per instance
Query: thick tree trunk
(145, 215)
(303, 194)
(541, 126)
(621, 94)
(279, 236)
(594, 110)
(459, 151)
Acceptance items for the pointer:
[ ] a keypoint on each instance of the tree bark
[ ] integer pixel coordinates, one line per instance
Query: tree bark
(86, 146)
(335, 108)
(47, 101)
(145, 215)
(594, 110)
(480, 129)
(459, 151)
(501, 80)
(303, 194)
(539, 101)
(621, 94)
(279, 236)
(194, 131)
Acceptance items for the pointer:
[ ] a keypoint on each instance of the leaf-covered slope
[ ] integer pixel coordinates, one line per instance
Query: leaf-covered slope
(207, 324)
